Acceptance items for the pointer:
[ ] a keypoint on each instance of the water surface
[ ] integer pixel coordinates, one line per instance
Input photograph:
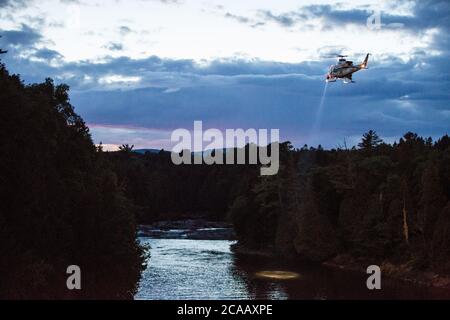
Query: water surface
(181, 269)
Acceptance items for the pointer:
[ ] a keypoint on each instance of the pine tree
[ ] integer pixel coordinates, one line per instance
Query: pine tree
(370, 141)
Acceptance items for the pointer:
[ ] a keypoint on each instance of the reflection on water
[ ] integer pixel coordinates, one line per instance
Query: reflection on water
(207, 269)
(190, 269)
(277, 275)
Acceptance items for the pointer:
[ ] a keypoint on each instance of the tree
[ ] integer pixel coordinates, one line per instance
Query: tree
(370, 141)
(126, 148)
(64, 206)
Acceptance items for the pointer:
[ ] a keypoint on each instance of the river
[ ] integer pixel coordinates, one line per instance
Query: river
(180, 269)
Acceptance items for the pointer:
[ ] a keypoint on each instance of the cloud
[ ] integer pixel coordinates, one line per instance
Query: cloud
(285, 20)
(166, 1)
(155, 93)
(114, 46)
(425, 14)
(238, 18)
(26, 43)
(327, 52)
(254, 23)
(114, 136)
(24, 37)
(171, 1)
(13, 3)
(47, 54)
(124, 30)
(392, 97)
(71, 1)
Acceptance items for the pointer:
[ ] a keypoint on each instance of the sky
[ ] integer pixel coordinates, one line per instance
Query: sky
(139, 69)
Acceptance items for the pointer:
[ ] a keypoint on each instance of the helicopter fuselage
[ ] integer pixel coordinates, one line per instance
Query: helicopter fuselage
(338, 72)
(345, 69)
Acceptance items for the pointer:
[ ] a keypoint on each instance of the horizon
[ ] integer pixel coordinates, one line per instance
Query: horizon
(114, 148)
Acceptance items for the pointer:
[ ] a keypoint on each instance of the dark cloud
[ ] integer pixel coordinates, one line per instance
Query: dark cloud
(426, 14)
(26, 41)
(47, 54)
(430, 14)
(392, 97)
(331, 16)
(24, 37)
(5, 3)
(13, 3)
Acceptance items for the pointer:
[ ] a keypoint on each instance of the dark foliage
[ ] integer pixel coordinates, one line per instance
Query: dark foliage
(380, 202)
(161, 190)
(61, 203)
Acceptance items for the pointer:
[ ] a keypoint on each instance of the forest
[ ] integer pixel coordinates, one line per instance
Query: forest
(61, 202)
(379, 202)
(67, 202)
(374, 201)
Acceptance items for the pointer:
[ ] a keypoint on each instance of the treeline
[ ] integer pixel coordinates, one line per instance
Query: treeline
(161, 190)
(376, 201)
(61, 203)
(379, 202)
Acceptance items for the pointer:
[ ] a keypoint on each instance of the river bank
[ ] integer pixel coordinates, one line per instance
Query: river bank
(401, 272)
(193, 259)
(202, 229)
(404, 272)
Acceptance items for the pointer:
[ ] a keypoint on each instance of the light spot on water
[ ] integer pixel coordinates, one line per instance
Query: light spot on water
(278, 275)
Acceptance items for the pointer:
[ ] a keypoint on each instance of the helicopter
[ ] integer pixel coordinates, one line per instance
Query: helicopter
(345, 69)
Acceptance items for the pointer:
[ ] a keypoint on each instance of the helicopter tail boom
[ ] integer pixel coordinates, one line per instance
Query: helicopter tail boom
(365, 62)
